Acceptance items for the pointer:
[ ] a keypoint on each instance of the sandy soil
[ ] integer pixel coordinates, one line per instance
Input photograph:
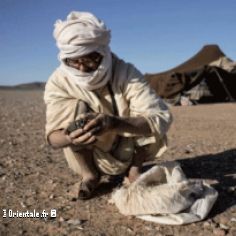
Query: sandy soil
(33, 176)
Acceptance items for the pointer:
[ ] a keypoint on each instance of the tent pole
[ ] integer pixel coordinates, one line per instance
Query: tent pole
(231, 99)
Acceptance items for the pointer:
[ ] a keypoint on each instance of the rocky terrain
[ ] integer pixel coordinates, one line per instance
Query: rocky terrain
(34, 176)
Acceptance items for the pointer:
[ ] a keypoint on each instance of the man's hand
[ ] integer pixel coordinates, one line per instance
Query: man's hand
(134, 173)
(81, 137)
(98, 123)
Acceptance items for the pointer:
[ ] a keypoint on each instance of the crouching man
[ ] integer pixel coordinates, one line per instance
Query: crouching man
(100, 109)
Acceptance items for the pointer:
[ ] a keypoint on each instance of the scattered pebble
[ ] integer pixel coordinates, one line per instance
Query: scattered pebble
(223, 219)
(67, 207)
(74, 222)
(30, 201)
(188, 149)
(79, 227)
(130, 230)
(3, 178)
(223, 226)
(147, 228)
(2, 171)
(22, 204)
(50, 181)
(2, 141)
(206, 224)
(219, 232)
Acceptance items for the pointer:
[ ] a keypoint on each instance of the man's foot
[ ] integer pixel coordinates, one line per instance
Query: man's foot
(87, 188)
(134, 173)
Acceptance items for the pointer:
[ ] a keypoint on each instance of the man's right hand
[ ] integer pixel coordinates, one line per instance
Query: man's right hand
(61, 139)
(80, 137)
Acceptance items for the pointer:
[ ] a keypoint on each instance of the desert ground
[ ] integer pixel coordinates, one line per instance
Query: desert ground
(34, 176)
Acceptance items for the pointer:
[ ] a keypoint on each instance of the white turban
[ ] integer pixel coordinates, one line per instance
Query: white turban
(80, 34)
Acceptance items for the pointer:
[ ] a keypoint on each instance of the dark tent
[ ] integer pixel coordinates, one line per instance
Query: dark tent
(209, 76)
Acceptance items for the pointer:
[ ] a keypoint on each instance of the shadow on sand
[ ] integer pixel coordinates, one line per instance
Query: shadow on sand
(220, 167)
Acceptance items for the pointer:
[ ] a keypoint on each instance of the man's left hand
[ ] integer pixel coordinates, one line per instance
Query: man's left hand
(99, 123)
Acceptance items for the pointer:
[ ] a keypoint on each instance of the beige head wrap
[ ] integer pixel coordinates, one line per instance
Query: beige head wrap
(80, 34)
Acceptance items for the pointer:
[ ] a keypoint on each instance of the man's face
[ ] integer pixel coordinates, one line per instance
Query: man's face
(87, 63)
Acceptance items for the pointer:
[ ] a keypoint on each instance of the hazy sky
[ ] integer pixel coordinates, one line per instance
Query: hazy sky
(154, 35)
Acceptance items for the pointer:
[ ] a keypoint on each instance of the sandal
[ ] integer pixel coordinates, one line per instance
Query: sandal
(87, 188)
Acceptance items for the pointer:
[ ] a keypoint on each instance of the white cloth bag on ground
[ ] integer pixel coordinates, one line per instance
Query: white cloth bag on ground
(164, 195)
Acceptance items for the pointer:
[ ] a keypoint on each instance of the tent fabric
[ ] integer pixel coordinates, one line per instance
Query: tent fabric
(224, 63)
(209, 64)
(164, 195)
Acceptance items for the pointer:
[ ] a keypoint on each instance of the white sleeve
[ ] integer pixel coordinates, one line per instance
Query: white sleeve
(143, 101)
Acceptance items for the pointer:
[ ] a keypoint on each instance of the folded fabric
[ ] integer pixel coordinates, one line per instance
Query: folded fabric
(164, 195)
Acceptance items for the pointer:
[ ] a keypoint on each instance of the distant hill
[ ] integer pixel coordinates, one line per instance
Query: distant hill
(28, 86)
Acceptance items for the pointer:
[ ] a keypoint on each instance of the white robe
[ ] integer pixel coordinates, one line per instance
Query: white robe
(133, 96)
